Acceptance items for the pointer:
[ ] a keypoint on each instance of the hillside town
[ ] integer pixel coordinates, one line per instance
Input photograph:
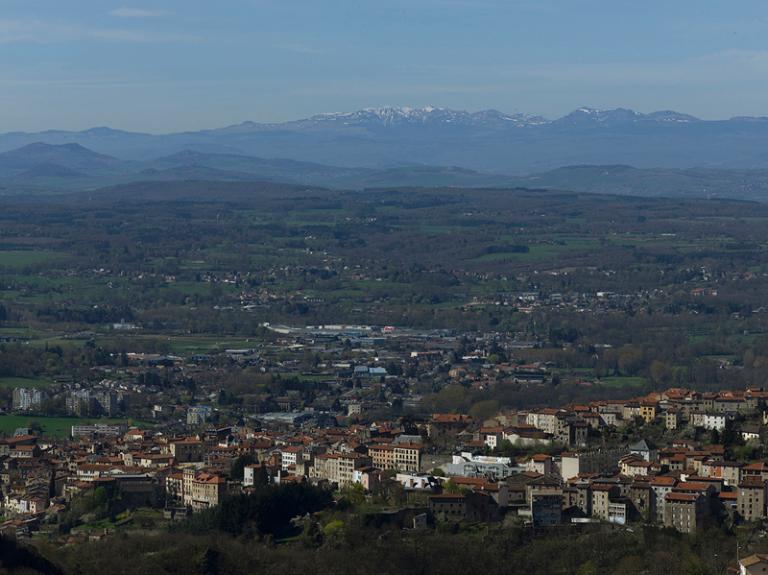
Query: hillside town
(424, 430)
(341, 407)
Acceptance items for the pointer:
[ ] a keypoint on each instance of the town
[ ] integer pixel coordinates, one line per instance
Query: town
(297, 379)
(674, 458)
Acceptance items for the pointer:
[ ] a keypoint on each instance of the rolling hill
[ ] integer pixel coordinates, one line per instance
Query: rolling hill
(41, 168)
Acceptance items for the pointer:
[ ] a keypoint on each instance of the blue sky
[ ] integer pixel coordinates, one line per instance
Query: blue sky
(172, 65)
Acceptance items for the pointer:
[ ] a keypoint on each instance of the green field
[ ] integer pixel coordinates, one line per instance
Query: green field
(547, 251)
(55, 426)
(37, 382)
(18, 331)
(182, 344)
(22, 258)
(206, 344)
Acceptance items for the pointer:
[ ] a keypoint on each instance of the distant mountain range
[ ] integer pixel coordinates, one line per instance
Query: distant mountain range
(486, 141)
(608, 151)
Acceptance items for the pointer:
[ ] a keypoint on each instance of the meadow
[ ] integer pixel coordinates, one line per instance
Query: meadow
(29, 382)
(25, 258)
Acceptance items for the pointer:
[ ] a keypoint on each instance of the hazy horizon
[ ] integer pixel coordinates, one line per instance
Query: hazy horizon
(170, 66)
(331, 112)
(288, 117)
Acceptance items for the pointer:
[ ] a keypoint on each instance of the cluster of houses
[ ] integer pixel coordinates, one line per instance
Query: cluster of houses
(674, 408)
(685, 484)
(186, 473)
(573, 473)
(101, 398)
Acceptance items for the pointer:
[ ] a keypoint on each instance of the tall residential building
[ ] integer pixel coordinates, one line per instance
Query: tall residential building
(196, 489)
(684, 511)
(751, 499)
(27, 399)
(198, 414)
(80, 402)
(92, 402)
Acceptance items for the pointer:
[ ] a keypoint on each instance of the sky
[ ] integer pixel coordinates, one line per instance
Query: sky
(174, 65)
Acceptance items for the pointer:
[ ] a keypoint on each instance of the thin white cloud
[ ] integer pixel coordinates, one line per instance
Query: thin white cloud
(45, 32)
(138, 36)
(297, 48)
(744, 58)
(16, 31)
(707, 69)
(126, 12)
(713, 68)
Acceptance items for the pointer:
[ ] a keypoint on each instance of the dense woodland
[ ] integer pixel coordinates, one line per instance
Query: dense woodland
(251, 534)
(500, 551)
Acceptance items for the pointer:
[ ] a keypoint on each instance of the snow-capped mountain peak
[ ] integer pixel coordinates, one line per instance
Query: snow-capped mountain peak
(585, 116)
(438, 118)
(386, 114)
(392, 116)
